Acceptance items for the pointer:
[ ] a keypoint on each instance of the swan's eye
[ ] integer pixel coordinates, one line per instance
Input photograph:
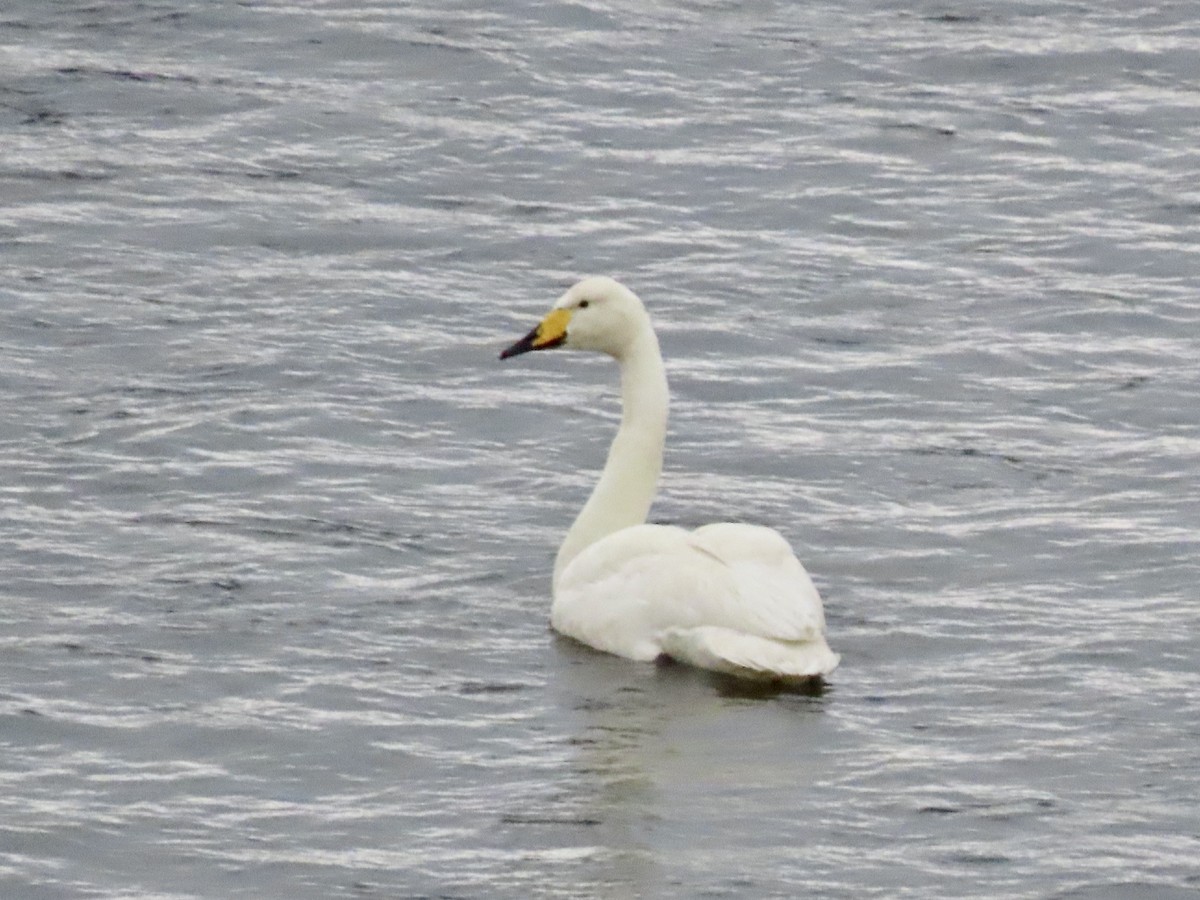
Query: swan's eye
(583, 304)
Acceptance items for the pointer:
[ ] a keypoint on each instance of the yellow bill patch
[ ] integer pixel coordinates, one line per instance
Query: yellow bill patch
(553, 328)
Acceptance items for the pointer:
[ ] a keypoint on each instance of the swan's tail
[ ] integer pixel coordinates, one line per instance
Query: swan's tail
(748, 655)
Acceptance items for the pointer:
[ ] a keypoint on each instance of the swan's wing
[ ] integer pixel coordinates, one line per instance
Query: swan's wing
(623, 593)
(735, 541)
(774, 588)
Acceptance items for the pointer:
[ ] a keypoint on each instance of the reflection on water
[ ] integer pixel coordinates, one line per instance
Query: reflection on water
(664, 754)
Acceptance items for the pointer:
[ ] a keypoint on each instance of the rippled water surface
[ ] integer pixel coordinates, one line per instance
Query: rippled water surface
(276, 526)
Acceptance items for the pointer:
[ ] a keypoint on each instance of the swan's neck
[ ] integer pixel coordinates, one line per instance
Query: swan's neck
(627, 485)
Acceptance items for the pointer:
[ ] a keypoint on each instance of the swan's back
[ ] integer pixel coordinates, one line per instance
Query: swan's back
(727, 597)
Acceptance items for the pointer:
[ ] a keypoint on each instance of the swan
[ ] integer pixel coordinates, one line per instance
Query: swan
(727, 597)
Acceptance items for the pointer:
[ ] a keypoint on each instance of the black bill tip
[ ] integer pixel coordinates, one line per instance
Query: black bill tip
(530, 342)
(524, 345)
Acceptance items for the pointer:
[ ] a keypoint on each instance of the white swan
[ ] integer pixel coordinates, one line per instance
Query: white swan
(727, 597)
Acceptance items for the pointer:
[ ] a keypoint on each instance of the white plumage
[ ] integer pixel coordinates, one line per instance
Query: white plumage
(726, 597)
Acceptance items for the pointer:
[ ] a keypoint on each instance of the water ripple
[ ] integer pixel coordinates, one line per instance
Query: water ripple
(277, 526)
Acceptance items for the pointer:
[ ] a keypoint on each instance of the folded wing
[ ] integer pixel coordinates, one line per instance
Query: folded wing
(727, 597)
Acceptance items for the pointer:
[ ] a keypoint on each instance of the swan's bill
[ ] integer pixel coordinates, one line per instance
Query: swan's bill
(550, 332)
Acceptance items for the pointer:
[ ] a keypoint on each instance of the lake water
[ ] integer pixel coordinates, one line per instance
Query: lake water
(276, 526)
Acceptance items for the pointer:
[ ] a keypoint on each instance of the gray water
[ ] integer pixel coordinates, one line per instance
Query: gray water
(276, 526)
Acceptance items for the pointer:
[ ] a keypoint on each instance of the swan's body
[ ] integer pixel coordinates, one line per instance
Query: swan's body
(727, 597)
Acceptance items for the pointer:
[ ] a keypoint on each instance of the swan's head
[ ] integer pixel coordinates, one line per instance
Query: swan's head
(596, 314)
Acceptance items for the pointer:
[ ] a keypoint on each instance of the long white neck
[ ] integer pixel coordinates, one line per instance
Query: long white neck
(628, 483)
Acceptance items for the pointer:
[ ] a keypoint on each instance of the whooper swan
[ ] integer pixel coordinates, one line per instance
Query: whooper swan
(727, 597)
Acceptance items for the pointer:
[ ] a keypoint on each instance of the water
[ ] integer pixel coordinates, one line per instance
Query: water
(277, 526)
